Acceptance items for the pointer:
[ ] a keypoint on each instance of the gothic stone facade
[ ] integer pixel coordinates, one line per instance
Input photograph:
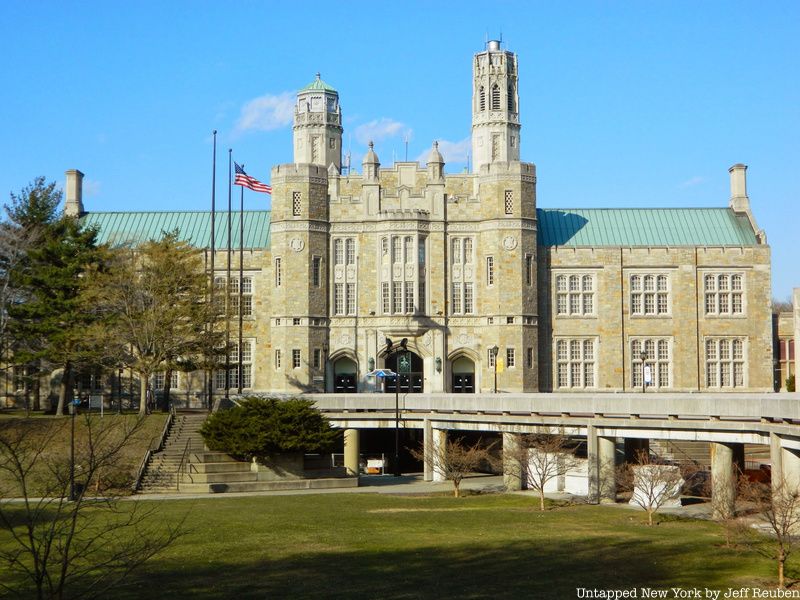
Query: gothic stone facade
(460, 264)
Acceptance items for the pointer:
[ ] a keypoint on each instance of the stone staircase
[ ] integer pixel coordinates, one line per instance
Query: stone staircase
(697, 453)
(161, 474)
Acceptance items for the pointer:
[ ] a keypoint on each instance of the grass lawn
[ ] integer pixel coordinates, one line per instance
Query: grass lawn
(382, 546)
(53, 434)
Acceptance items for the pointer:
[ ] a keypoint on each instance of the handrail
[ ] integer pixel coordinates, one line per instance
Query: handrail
(181, 464)
(140, 473)
(165, 431)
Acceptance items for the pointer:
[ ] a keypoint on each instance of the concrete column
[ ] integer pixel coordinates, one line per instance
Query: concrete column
(791, 469)
(723, 481)
(351, 452)
(427, 450)
(439, 447)
(592, 465)
(606, 470)
(776, 458)
(633, 446)
(512, 469)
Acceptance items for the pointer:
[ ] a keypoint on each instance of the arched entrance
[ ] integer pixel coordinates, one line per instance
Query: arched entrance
(411, 376)
(463, 375)
(345, 374)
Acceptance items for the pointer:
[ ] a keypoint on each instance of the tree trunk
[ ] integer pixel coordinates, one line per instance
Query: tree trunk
(37, 388)
(541, 498)
(65, 389)
(144, 378)
(167, 387)
(456, 491)
(650, 517)
(781, 563)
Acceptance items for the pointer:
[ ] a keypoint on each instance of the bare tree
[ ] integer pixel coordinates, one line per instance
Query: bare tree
(62, 547)
(455, 459)
(651, 482)
(542, 458)
(779, 507)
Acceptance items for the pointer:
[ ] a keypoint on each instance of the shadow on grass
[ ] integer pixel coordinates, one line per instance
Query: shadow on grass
(518, 570)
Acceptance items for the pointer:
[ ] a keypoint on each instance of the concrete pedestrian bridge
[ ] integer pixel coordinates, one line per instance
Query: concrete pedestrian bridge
(725, 420)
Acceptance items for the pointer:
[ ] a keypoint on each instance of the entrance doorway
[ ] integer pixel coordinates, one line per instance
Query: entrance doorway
(463, 371)
(344, 376)
(411, 377)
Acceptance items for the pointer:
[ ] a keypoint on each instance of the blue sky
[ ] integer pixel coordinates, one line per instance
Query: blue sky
(622, 103)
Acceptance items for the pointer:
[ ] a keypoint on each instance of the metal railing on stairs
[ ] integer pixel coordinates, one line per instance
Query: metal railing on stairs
(154, 447)
(183, 465)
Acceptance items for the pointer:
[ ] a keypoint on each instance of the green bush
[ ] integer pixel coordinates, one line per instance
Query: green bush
(790, 383)
(261, 427)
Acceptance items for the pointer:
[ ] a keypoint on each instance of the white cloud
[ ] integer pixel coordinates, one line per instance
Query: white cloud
(380, 129)
(452, 152)
(91, 187)
(692, 181)
(265, 113)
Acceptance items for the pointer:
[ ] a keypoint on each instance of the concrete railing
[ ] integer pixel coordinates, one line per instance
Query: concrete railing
(743, 406)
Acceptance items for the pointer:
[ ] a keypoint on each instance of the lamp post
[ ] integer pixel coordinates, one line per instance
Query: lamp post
(643, 356)
(75, 404)
(494, 349)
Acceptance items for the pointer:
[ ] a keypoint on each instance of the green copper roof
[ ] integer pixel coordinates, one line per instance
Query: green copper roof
(643, 227)
(318, 84)
(192, 226)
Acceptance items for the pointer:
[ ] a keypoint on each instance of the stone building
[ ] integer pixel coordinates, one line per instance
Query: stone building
(489, 291)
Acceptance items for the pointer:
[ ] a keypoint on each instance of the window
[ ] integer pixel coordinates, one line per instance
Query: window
(233, 366)
(575, 363)
(724, 293)
(649, 294)
(529, 270)
(725, 362)
(495, 97)
(277, 359)
(316, 263)
(338, 299)
(509, 202)
(482, 98)
(510, 358)
(159, 378)
(296, 358)
(338, 251)
(409, 297)
(574, 294)
(490, 270)
(385, 298)
(317, 358)
(402, 290)
(490, 360)
(277, 272)
(247, 296)
(469, 307)
(351, 298)
(462, 298)
(529, 357)
(657, 361)
(510, 98)
(295, 320)
(296, 200)
(350, 245)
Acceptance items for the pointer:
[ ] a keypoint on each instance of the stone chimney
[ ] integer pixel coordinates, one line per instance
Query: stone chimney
(73, 205)
(739, 201)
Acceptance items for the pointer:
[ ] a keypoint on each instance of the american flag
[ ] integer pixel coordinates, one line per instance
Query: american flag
(251, 183)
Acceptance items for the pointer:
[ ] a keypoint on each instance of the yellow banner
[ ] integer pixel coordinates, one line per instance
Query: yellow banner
(500, 366)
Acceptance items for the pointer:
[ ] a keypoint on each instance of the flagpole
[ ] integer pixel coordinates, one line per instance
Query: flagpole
(241, 285)
(213, 251)
(227, 290)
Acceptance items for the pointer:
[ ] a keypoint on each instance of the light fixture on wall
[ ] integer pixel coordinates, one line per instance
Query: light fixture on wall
(438, 365)
(371, 364)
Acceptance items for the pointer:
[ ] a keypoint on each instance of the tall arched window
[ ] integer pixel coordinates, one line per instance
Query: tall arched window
(495, 97)
(482, 98)
(511, 98)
